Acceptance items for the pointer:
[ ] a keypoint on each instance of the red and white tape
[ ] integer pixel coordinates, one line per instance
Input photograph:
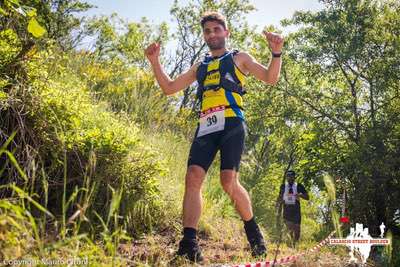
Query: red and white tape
(288, 258)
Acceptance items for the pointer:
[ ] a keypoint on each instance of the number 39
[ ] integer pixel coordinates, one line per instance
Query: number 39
(211, 120)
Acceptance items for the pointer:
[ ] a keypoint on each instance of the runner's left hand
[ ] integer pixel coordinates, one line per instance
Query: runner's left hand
(275, 41)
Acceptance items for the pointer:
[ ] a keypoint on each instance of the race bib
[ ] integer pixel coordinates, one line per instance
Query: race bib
(212, 120)
(290, 199)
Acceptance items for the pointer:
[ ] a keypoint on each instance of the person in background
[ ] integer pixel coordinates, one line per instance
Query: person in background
(289, 195)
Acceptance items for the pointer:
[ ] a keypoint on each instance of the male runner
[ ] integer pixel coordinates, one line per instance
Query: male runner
(221, 79)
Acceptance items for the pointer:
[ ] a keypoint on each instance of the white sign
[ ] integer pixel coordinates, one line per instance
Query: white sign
(360, 242)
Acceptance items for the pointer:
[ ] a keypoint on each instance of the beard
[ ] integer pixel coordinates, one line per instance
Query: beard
(217, 43)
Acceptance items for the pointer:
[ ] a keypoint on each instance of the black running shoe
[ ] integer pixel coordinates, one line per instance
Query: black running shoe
(258, 248)
(189, 248)
(256, 241)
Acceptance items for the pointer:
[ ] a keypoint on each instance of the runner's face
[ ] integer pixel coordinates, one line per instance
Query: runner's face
(214, 35)
(291, 179)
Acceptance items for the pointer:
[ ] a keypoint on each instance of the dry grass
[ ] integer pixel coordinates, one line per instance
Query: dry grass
(225, 247)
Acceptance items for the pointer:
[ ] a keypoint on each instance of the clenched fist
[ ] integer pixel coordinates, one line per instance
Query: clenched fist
(275, 41)
(152, 52)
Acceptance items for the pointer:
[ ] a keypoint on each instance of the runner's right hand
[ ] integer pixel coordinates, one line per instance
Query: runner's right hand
(152, 52)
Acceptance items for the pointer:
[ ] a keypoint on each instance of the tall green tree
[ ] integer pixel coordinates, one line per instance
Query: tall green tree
(348, 81)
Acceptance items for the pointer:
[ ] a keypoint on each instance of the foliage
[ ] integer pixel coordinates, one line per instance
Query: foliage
(91, 151)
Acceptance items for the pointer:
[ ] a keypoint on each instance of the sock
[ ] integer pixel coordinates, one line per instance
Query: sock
(250, 225)
(252, 230)
(189, 233)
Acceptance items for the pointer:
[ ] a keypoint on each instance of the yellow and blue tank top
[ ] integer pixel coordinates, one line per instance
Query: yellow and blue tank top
(221, 83)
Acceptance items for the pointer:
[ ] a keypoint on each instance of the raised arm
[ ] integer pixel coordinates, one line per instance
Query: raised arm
(271, 74)
(168, 85)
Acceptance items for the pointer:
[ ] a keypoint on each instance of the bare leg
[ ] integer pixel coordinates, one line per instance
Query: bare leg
(192, 204)
(237, 193)
(192, 200)
(294, 231)
(241, 200)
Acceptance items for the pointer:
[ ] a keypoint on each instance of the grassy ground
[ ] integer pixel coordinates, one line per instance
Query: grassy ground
(225, 250)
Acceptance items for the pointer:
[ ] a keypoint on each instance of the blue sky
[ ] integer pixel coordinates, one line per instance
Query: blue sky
(268, 12)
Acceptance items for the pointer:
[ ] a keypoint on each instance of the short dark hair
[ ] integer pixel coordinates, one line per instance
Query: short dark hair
(291, 173)
(213, 16)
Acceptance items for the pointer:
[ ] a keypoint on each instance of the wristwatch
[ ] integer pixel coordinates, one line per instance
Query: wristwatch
(276, 54)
